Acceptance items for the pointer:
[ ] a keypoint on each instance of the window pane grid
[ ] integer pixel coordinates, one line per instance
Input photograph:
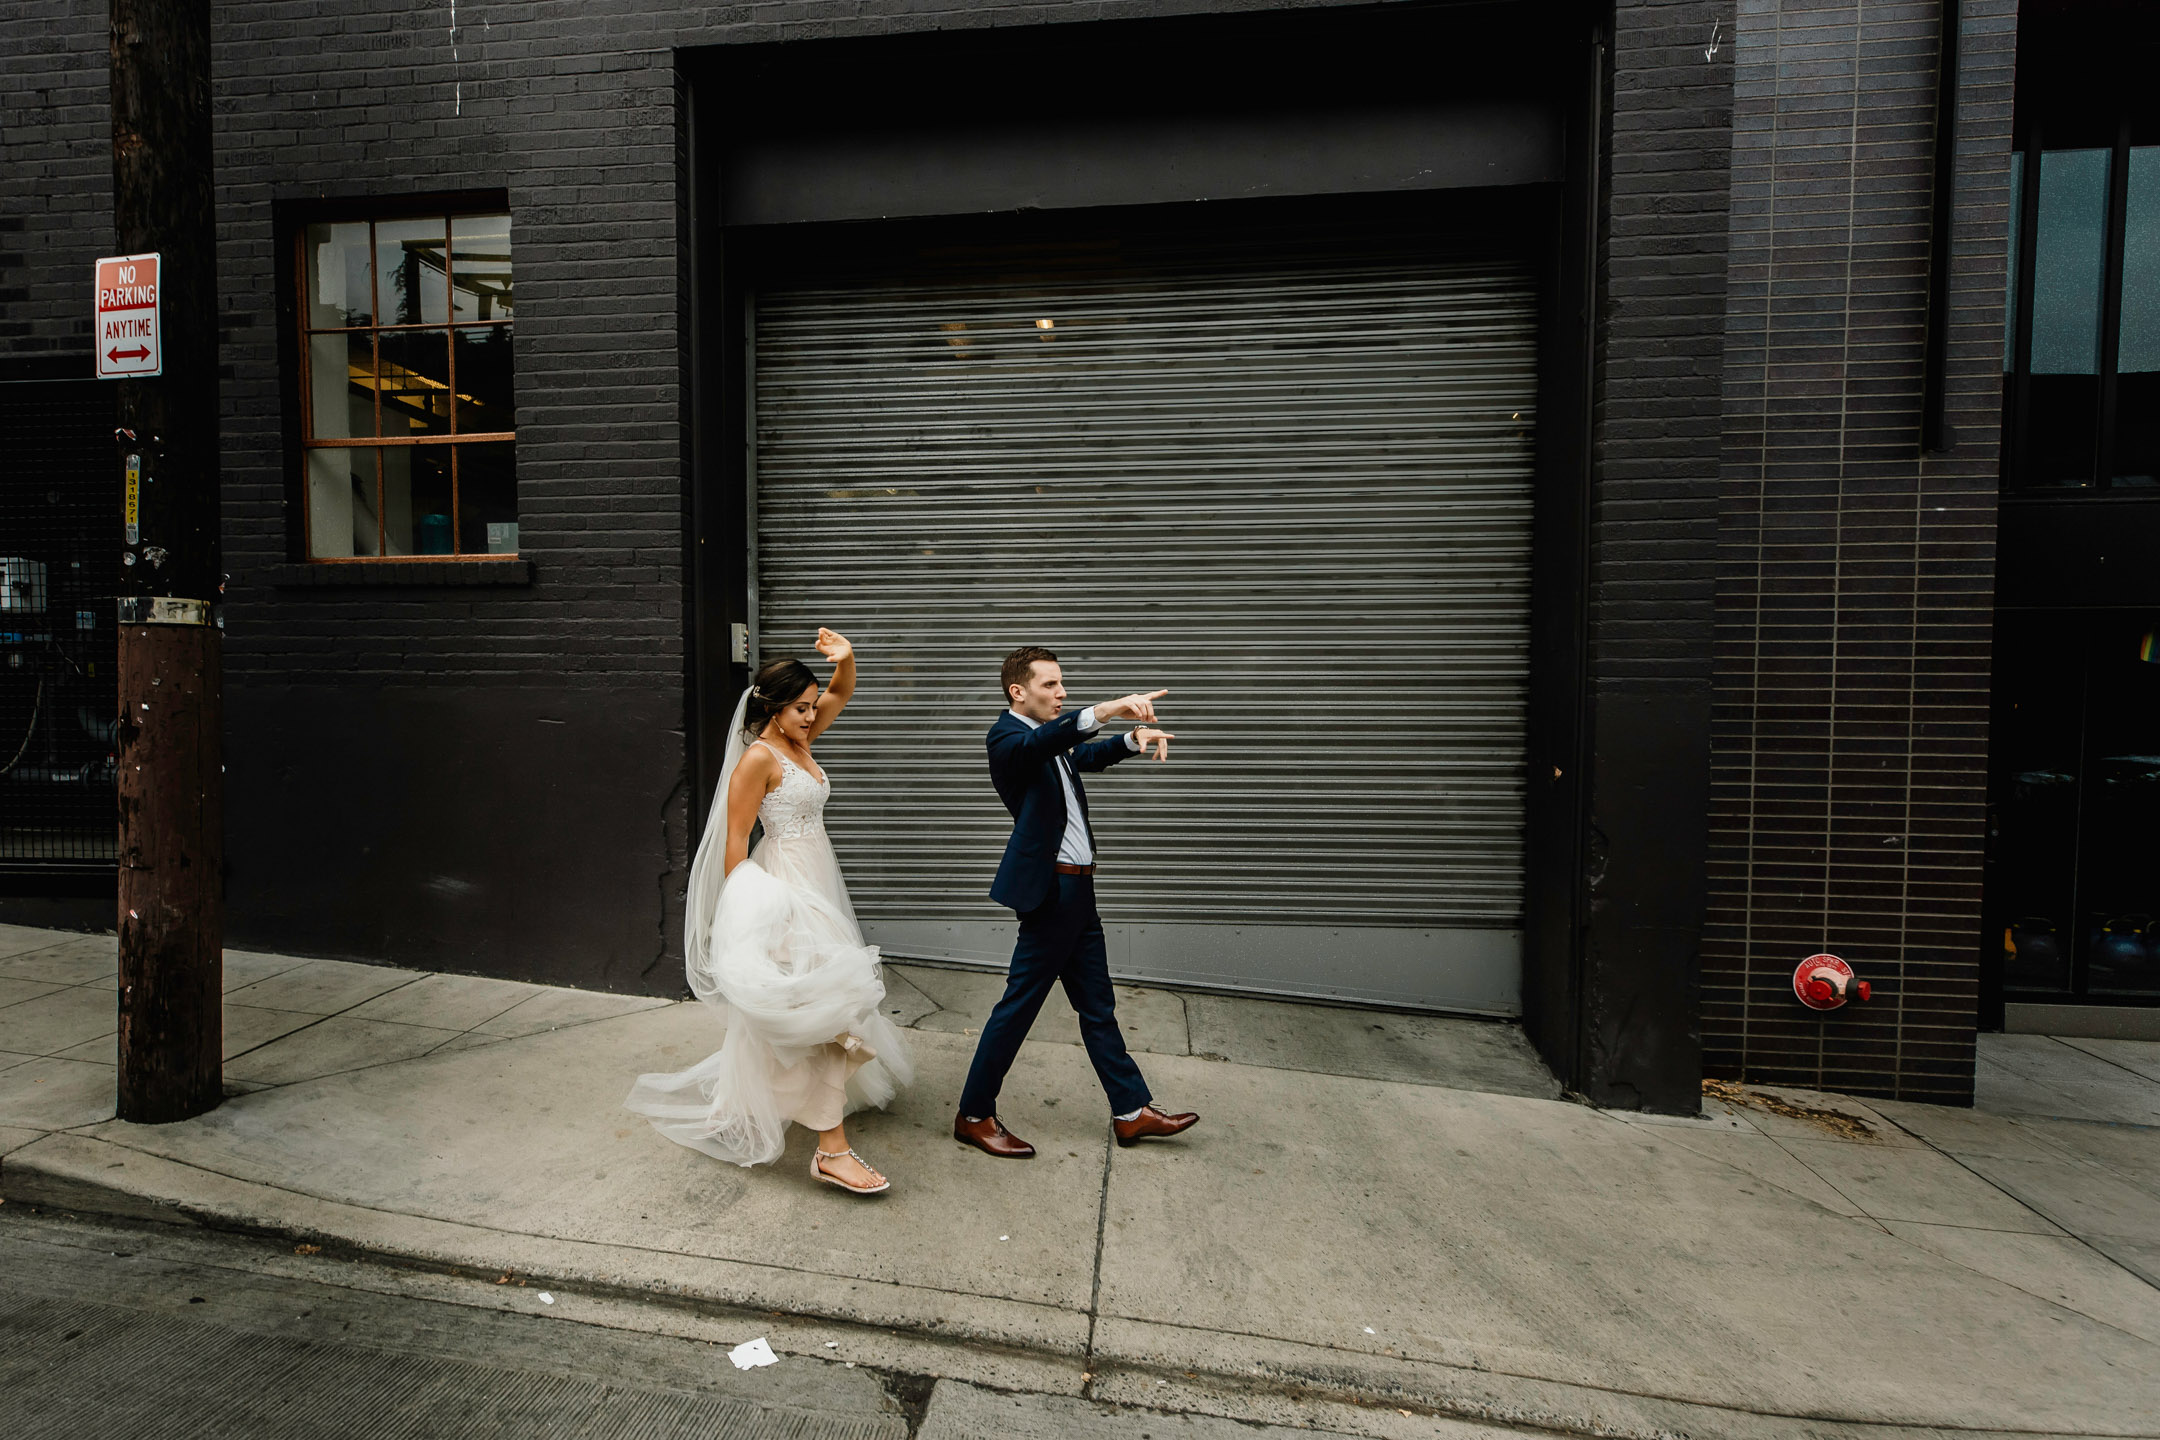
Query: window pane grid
(2082, 381)
(432, 371)
(386, 329)
(398, 442)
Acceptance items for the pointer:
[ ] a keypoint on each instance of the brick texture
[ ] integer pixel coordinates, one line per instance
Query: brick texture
(1662, 347)
(1855, 577)
(55, 173)
(1655, 456)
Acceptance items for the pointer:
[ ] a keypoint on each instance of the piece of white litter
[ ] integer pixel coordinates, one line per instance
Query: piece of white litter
(546, 1299)
(1368, 1330)
(753, 1353)
(1004, 1237)
(832, 1344)
(851, 1364)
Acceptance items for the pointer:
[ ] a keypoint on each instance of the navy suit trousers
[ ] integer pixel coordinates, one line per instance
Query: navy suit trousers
(1062, 940)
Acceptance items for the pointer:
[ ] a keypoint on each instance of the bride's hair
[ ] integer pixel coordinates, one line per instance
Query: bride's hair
(772, 690)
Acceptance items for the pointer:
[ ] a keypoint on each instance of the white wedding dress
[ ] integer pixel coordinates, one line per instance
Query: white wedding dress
(774, 948)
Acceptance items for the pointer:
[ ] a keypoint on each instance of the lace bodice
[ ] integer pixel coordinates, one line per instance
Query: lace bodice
(796, 807)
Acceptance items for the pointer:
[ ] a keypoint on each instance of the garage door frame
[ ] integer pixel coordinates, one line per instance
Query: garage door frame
(1560, 222)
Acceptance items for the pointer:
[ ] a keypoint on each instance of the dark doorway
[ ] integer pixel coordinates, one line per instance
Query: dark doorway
(2074, 892)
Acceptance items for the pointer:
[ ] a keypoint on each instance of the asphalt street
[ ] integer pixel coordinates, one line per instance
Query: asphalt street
(118, 1331)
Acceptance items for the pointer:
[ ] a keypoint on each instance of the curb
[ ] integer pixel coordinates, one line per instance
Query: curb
(1128, 1361)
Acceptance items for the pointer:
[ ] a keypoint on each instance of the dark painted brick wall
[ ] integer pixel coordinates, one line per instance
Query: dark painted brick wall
(1855, 578)
(1655, 488)
(55, 173)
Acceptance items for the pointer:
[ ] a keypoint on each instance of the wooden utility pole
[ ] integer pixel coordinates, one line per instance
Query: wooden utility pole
(172, 827)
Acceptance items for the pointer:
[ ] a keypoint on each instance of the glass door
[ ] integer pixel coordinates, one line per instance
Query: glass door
(2074, 819)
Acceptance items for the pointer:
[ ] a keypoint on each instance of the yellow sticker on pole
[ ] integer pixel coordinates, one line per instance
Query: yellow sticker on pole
(134, 498)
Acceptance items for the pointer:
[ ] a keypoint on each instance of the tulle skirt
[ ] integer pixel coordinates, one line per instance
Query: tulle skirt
(800, 993)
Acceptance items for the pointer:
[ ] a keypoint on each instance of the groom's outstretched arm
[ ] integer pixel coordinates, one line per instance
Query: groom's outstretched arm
(1016, 745)
(1053, 737)
(1102, 754)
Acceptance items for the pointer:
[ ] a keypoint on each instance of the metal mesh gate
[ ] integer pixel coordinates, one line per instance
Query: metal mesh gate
(59, 564)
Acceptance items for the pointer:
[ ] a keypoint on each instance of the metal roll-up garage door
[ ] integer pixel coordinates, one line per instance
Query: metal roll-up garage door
(1293, 488)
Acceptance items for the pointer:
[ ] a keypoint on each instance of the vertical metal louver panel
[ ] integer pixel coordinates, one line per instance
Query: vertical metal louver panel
(1296, 490)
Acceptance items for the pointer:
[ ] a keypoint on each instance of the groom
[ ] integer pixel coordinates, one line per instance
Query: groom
(1048, 877)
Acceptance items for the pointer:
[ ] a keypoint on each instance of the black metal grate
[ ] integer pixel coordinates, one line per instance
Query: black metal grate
(59, 573)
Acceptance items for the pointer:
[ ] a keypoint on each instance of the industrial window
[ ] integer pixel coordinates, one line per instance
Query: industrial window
(2081, 342)
(407, 403)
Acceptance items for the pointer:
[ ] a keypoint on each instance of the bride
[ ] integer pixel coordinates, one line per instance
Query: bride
(771, 944)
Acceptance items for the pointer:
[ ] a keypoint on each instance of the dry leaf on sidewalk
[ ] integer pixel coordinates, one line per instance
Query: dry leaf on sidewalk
(1837, 1122)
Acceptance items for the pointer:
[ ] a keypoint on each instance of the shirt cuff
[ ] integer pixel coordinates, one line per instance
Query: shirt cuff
(1089, 720)
(1132, 741)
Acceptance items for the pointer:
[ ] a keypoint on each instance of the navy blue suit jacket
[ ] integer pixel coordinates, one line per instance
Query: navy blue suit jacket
(1023, 767)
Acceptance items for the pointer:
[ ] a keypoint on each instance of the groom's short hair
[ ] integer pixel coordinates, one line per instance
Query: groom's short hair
(1020, 666)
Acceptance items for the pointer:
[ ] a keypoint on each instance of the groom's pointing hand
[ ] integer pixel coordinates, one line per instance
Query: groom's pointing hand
(1145, 736)
(1131, 707)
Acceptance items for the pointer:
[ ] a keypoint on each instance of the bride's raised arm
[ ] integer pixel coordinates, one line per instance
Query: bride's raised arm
(834, 647)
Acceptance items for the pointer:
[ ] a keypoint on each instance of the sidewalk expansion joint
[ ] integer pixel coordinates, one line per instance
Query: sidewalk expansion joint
(1102, 1223)
(2064, 1233)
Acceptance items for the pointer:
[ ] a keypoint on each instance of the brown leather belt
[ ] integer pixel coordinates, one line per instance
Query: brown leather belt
(1063, 869)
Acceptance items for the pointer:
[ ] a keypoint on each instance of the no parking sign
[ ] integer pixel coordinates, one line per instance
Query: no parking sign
(129, 323)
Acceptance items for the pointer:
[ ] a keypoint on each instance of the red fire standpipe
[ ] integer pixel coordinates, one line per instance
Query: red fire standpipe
(1824, 982)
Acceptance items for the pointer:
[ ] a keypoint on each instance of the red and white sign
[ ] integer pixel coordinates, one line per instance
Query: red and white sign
(129, 323)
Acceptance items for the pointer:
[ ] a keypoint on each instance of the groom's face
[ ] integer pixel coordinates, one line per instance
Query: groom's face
(1043, 696)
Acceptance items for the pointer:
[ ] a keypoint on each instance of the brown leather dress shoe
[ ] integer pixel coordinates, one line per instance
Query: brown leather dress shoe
(991, 1137)
(1151, 1122)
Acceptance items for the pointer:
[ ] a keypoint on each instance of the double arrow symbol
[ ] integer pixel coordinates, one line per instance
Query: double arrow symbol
(140, 352)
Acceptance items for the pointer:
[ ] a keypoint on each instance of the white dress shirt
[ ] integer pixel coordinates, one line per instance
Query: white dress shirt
(1075, 848)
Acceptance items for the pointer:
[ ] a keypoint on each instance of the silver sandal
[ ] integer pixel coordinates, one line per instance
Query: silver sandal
(817, 1171)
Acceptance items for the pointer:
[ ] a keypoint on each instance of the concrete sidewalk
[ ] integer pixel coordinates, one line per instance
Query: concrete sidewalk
(1391, 1216)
